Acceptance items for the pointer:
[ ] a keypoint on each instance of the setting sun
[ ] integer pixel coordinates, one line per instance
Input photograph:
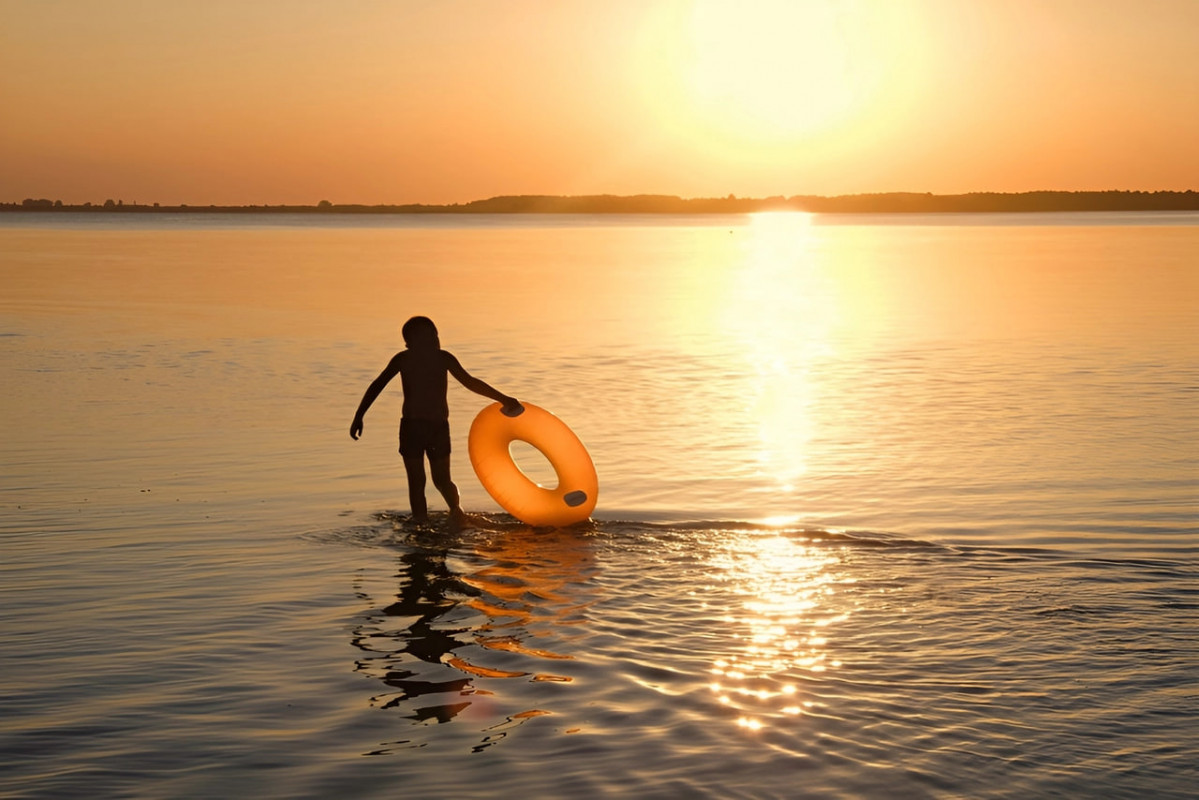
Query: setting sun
(773, 72)
(406, 102)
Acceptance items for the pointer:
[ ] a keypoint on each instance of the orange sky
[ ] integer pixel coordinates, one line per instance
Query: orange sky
(441, 101)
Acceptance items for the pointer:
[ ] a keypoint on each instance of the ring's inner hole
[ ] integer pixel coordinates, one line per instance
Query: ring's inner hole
(533, 463)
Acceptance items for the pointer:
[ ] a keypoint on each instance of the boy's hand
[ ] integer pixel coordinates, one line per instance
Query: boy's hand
(512, 407)
(356, 428)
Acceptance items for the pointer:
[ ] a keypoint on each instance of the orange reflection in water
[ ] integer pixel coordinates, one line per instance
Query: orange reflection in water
(787, 585)
(529, 592)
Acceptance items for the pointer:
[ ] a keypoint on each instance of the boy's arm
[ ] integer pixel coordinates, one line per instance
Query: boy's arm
(480, 387)
(390, 371)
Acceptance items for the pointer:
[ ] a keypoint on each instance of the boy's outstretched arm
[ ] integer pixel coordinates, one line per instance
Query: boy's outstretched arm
(481, 387)
(390, 371)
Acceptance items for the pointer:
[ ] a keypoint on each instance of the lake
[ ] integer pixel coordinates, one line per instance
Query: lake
(889, 505)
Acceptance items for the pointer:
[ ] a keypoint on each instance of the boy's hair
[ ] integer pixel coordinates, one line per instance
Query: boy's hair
(412, 326)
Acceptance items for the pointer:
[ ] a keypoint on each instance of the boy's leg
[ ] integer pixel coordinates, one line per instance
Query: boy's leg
(440, 467)
(414, 465)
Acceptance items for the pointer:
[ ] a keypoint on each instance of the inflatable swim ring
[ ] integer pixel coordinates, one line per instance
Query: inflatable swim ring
(578, 486)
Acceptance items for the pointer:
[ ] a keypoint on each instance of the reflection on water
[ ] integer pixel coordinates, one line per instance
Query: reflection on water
(412, 630)
(787, 588)
(472, 612)
(531, 592)
(782, 310)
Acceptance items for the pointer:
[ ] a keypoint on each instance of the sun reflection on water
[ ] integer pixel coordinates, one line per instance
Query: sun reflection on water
(782, 310)
(787, 588)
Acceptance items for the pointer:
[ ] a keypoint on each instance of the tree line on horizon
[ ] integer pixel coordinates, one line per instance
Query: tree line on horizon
(883, 202)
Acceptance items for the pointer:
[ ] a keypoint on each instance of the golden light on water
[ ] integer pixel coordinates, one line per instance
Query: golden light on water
(787, 588)
(782, 309)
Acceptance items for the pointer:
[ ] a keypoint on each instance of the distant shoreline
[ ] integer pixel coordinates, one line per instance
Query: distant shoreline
(881, 203)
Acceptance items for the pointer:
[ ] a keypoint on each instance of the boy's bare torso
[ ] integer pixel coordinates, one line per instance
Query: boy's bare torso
(424, 377)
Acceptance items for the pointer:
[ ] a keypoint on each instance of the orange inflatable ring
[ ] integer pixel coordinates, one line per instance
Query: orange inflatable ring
(578, 486)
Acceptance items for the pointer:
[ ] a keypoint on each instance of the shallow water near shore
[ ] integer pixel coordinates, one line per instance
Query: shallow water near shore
(887, 507)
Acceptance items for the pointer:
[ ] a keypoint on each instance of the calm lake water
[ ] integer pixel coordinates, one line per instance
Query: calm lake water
(889, 506)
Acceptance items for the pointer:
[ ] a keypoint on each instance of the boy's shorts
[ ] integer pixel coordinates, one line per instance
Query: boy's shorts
(420, 437)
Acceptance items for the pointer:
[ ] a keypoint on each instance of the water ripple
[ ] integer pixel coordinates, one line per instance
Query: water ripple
(869, 662)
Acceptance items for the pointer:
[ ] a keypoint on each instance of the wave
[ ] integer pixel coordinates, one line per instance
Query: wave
(393, 529)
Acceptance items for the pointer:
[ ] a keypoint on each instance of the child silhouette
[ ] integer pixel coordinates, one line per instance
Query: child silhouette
(425, 420)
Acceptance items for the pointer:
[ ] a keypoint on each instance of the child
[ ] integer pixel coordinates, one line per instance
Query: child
(425, 420)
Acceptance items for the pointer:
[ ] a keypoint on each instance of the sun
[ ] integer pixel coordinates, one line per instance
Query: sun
(770, 71)
(781, 67)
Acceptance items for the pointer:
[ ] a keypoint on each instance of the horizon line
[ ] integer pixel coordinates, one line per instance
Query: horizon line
(1031, 200)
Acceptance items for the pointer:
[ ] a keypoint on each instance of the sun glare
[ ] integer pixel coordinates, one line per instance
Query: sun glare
(772, 71)
(781, 68)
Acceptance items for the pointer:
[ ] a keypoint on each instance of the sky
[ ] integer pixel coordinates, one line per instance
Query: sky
(445, 101)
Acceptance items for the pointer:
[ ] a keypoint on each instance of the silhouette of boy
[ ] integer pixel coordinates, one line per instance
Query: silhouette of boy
(425, 419)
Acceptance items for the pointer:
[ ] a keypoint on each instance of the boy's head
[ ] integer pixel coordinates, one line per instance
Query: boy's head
(417, 329)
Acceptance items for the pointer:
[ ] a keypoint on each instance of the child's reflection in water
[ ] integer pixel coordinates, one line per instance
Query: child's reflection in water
(429, 644)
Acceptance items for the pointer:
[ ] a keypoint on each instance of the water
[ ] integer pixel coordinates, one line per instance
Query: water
(889, 506)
